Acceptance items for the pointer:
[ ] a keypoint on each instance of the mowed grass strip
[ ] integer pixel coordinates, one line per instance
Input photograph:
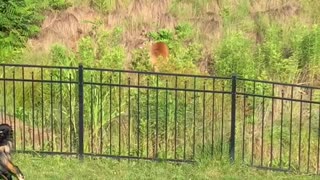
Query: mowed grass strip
(57, 167)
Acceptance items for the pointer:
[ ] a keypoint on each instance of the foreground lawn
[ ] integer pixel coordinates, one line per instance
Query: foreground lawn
(56, 167)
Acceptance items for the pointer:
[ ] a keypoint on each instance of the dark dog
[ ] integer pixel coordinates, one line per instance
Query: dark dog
(7, 168)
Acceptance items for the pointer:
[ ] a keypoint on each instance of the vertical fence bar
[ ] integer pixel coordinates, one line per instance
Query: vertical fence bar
(14, 110)
(233, 117)
(38, 132)
(185, 120)
(148, 109)
(23, 109)
(101, 115)
(51, 110)
(253, 122)
(91, 113)
(110, 116)
(194, 118)
(175, 117)
(271, 133)
(244, 124)
(32, 104)
(119, 119)
(61, 114)
(4, 95)
(281, 128)
(42, 111)
(157, 119)
(166, 123)
(212, 125)
(203, 114)
(318, 140)
(129, 119)
(309, 134)
(138, 118)
(222, 122)
(262, 129)
(300, 128)
(70, 111)
(290, 134)
(80, 96)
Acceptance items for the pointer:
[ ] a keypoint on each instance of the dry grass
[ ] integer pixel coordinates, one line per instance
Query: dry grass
(32, 135)
(64, 27)
(206, 17)
(69, 25)
(280, 12)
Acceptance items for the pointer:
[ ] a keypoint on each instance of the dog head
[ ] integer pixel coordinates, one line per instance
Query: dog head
(6, 132)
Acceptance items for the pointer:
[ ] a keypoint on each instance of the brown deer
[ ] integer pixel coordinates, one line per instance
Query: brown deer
(159, 52)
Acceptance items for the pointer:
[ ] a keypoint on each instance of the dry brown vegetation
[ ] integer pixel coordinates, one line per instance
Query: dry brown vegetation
(68, 26)
(64, 27)
(32, 135)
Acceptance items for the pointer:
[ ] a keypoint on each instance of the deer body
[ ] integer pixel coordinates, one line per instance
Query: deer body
(158, 51)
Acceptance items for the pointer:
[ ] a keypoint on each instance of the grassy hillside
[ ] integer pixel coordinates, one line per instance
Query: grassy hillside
(273, 40)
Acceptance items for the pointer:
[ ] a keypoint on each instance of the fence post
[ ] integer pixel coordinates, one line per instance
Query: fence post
(233, 117)
(80, 96)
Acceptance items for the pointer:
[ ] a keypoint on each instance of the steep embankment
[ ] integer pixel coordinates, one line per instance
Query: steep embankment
(256, 39)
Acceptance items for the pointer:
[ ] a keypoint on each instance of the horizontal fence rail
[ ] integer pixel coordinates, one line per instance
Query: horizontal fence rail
(160, 116)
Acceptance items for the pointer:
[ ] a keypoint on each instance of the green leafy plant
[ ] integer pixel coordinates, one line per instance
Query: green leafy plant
(234, 56)
(18, 22)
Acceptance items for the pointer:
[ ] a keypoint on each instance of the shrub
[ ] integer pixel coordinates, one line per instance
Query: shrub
(271, 59)
(235, 56)
(18, 22)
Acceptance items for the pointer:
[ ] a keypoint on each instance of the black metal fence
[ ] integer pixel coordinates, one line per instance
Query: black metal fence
(159, 116)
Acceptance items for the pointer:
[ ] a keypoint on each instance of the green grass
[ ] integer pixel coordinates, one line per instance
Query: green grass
(57, 167)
